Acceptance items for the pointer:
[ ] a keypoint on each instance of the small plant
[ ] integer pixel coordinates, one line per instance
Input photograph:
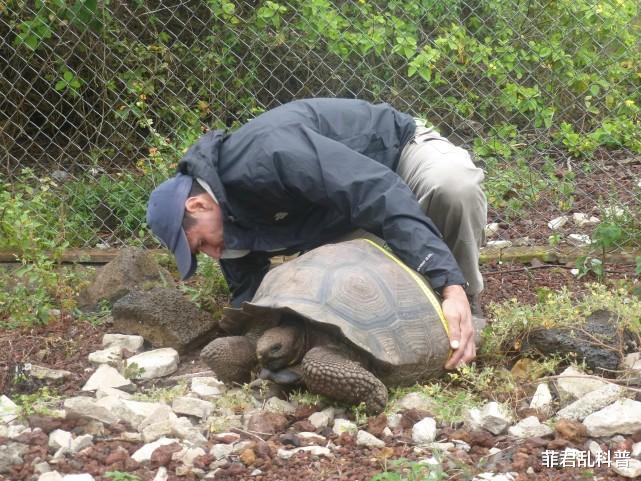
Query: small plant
(39, 402)
(121, 476)
(165, 395)
(605, 236)
(405, 470)
(132, 371)
(360, 414)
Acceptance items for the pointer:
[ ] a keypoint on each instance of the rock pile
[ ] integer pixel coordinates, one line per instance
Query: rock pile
(212, 432)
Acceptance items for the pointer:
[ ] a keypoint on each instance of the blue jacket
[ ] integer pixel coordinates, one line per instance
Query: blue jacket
(307, 172)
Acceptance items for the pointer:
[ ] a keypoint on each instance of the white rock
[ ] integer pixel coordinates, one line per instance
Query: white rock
(594, 448)
(112, 392)
(387, 432)
(575, 384)
(105, 376)
(495, 477)
(499, 244)
(394, 420)
(414, 400)
(344, 426)
(78, 477)
(8, 410)
(311, 438)
(631, 361)
(636, 450)
(314, 450)
(41, 468)
(14, 430)
(207, 387)
(574, 272)
(530, 427)
(42, 372)
(493, 451)
(431, 461)
(156, 363)
(461, 445)
(133, 412)
(106, 356)
(81, 442)
(158, 430)
(50, 476)
(161, 474)
(220, 451)
(59, 438)
(183, 428)
(491, 417)
(591, 402)
(542, 399)
(631, 468)
(190, 454)
(581, 219)
(322, 418)
(256, 472)
(144, 453)
(622, 417)
(579, 240)
(161, 412)
(491, 229)
(443, 447)
(192, 406)
(614, 211)
(363, 438)
(131, 343)
(558, 222)
(424, 431)
(281, 406)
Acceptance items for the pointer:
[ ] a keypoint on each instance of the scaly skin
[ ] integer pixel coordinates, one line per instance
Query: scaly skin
(328, 372)
(232, 358)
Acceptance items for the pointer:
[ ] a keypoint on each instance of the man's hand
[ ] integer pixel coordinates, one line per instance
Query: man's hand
(456, 309)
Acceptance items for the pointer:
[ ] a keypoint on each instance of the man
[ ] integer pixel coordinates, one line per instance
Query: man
(310, 172)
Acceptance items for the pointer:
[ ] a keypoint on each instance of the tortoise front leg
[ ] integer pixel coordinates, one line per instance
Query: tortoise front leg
(328, 372)
(232, 358)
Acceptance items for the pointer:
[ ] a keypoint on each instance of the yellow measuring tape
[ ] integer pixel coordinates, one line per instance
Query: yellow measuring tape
(426, 290)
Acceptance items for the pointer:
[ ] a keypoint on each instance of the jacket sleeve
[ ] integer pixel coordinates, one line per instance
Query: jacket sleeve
(244, 275)
(370, 195)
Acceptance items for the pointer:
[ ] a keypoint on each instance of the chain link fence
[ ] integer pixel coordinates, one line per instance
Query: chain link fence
(99, 99)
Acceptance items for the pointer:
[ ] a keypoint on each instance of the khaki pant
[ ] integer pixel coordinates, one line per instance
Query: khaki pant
(447, 186)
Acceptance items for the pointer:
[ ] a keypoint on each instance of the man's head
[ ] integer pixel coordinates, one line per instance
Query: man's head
(187, 220)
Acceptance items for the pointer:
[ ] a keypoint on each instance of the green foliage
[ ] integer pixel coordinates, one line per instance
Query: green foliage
(39, 402)
(405, 470)
(209, 289)
(512, 321)
(121, 476)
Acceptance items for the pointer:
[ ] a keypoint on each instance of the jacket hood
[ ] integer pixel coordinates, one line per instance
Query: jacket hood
(202, 160)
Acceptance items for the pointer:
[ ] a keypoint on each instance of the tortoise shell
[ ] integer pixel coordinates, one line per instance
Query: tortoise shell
(364, 293)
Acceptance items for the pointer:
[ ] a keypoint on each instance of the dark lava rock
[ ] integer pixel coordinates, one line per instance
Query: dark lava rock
(131, 269)
(598, 342)
(165, 318)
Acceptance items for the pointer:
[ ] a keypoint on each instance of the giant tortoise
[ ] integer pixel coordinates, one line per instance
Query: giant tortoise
(348, 319)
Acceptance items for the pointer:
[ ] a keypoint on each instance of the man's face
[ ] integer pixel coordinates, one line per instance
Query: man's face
(206, 235)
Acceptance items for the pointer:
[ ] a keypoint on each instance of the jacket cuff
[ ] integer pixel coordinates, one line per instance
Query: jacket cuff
(439, 281)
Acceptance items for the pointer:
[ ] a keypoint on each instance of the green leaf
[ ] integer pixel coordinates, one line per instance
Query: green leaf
(60, 85)
(67, 75)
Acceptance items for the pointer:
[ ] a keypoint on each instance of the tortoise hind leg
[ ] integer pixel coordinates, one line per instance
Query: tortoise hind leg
(326, 371)
(232, 358)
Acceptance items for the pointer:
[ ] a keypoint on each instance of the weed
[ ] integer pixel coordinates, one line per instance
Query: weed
(121, 476)
(306, 398)
(165, 395)
(405, 470)
(40, 402)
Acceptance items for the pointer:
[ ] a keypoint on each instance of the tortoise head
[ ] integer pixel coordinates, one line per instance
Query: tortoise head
(281, 346)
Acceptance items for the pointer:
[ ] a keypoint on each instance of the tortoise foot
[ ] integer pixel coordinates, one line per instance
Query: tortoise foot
(326, 371)
(232, 358)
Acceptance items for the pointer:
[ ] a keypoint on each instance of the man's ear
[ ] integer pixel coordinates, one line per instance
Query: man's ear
(197, 203)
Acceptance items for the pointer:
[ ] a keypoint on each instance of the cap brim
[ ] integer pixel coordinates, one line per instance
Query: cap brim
(185, 260)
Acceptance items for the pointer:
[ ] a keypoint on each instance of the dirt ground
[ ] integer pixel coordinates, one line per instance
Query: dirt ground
(65, 344)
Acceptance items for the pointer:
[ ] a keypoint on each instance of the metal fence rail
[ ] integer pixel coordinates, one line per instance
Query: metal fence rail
(98, 100)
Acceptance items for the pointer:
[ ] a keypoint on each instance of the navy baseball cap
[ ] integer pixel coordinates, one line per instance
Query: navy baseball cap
(165, 213)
